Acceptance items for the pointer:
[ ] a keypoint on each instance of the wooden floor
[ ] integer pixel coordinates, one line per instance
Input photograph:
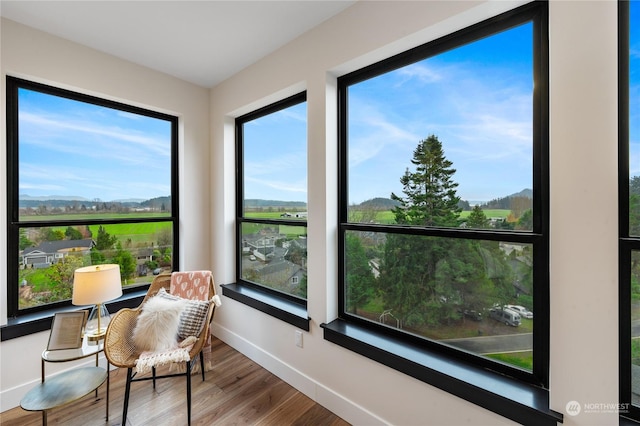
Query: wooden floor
(236, 391)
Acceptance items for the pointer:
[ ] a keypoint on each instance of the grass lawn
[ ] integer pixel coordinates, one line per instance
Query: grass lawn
(289, 230)
(519, 359)
(136, 232)
(489, 213)
(387, 217)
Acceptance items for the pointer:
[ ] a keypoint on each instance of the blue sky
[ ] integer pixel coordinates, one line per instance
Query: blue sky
(634, 90)
(476, 99)
(275, 155)
(71, 148)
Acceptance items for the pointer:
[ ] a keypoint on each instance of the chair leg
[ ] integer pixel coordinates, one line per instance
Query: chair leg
(202, 364)
(153, 373)
(188, 392)
(127, 388)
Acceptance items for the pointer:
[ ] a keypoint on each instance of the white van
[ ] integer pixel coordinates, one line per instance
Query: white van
(524, 312)
(506, 316)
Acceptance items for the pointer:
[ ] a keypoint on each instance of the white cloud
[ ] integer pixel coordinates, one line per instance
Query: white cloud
(285, 164)
(104, 139)
(419, 71)
(378, 133)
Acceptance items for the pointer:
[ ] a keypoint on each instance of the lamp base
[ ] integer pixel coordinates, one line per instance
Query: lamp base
(93, 338)
(97, 323)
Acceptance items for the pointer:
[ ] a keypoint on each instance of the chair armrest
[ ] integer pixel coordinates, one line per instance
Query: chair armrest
(118, 342)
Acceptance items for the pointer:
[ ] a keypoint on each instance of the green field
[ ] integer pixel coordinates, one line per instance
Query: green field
(135, 232)
(385, 217)
(270, 215)
(489, 213)
(289, 230)
(140, 232)
(91, 216)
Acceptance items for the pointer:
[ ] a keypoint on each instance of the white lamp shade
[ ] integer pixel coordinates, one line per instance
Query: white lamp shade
(96, 284)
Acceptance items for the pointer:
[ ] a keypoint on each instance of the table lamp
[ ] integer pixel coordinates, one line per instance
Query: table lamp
(94, 285)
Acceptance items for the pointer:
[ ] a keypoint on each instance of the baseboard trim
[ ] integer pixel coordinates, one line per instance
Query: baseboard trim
(336, 403)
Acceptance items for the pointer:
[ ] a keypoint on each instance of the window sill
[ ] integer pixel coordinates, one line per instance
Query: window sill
(521, 402)
(264, 301)
(41, 321)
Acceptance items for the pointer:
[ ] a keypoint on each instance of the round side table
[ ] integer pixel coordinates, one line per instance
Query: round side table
(63, 389)
(68, 386)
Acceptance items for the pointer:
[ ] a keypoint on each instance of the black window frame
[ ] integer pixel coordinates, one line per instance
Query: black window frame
(286, 307)
(627, 243)
(424, 359)
(38, 318)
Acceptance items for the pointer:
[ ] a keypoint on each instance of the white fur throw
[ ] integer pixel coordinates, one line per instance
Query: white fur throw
(157, 326)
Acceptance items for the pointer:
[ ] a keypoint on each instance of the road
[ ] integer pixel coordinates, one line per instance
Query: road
(508, 342)
(494, 344)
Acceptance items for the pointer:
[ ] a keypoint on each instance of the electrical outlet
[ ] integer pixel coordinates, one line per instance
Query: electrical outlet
(299, 338)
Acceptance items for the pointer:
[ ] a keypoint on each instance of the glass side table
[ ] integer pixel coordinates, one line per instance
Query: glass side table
(70, 385)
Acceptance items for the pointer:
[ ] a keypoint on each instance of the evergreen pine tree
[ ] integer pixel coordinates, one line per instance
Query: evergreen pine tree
(477, 219)
(428, 280)
(430, 192)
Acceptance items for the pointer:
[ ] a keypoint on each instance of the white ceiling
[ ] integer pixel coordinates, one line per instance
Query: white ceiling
(203, 42)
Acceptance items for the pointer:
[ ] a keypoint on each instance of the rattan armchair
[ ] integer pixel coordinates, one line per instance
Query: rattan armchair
(121, 351)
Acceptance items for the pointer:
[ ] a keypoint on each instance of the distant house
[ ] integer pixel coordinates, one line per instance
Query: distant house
(285, 275)
(144, 255)
(260, 245)
(300, 242)
(49, 252)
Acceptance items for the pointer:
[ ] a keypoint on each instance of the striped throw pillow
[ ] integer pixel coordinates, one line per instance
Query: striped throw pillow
(192, 317)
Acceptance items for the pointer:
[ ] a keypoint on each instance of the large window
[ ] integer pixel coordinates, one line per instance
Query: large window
(629, 110)
(272, 203)
(443, 196)
(90, 181)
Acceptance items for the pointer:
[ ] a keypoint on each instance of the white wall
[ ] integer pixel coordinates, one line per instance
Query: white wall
(584, 214)
(583, 138)
(39, 57)
(583, 358)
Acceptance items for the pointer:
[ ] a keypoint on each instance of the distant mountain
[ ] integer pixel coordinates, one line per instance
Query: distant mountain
(379, 203)
(129, 200)
(25, 197)
(64, 201)
(523, 198)
(157, 203)
(36, 202)
(252, 202)
(528, 193)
